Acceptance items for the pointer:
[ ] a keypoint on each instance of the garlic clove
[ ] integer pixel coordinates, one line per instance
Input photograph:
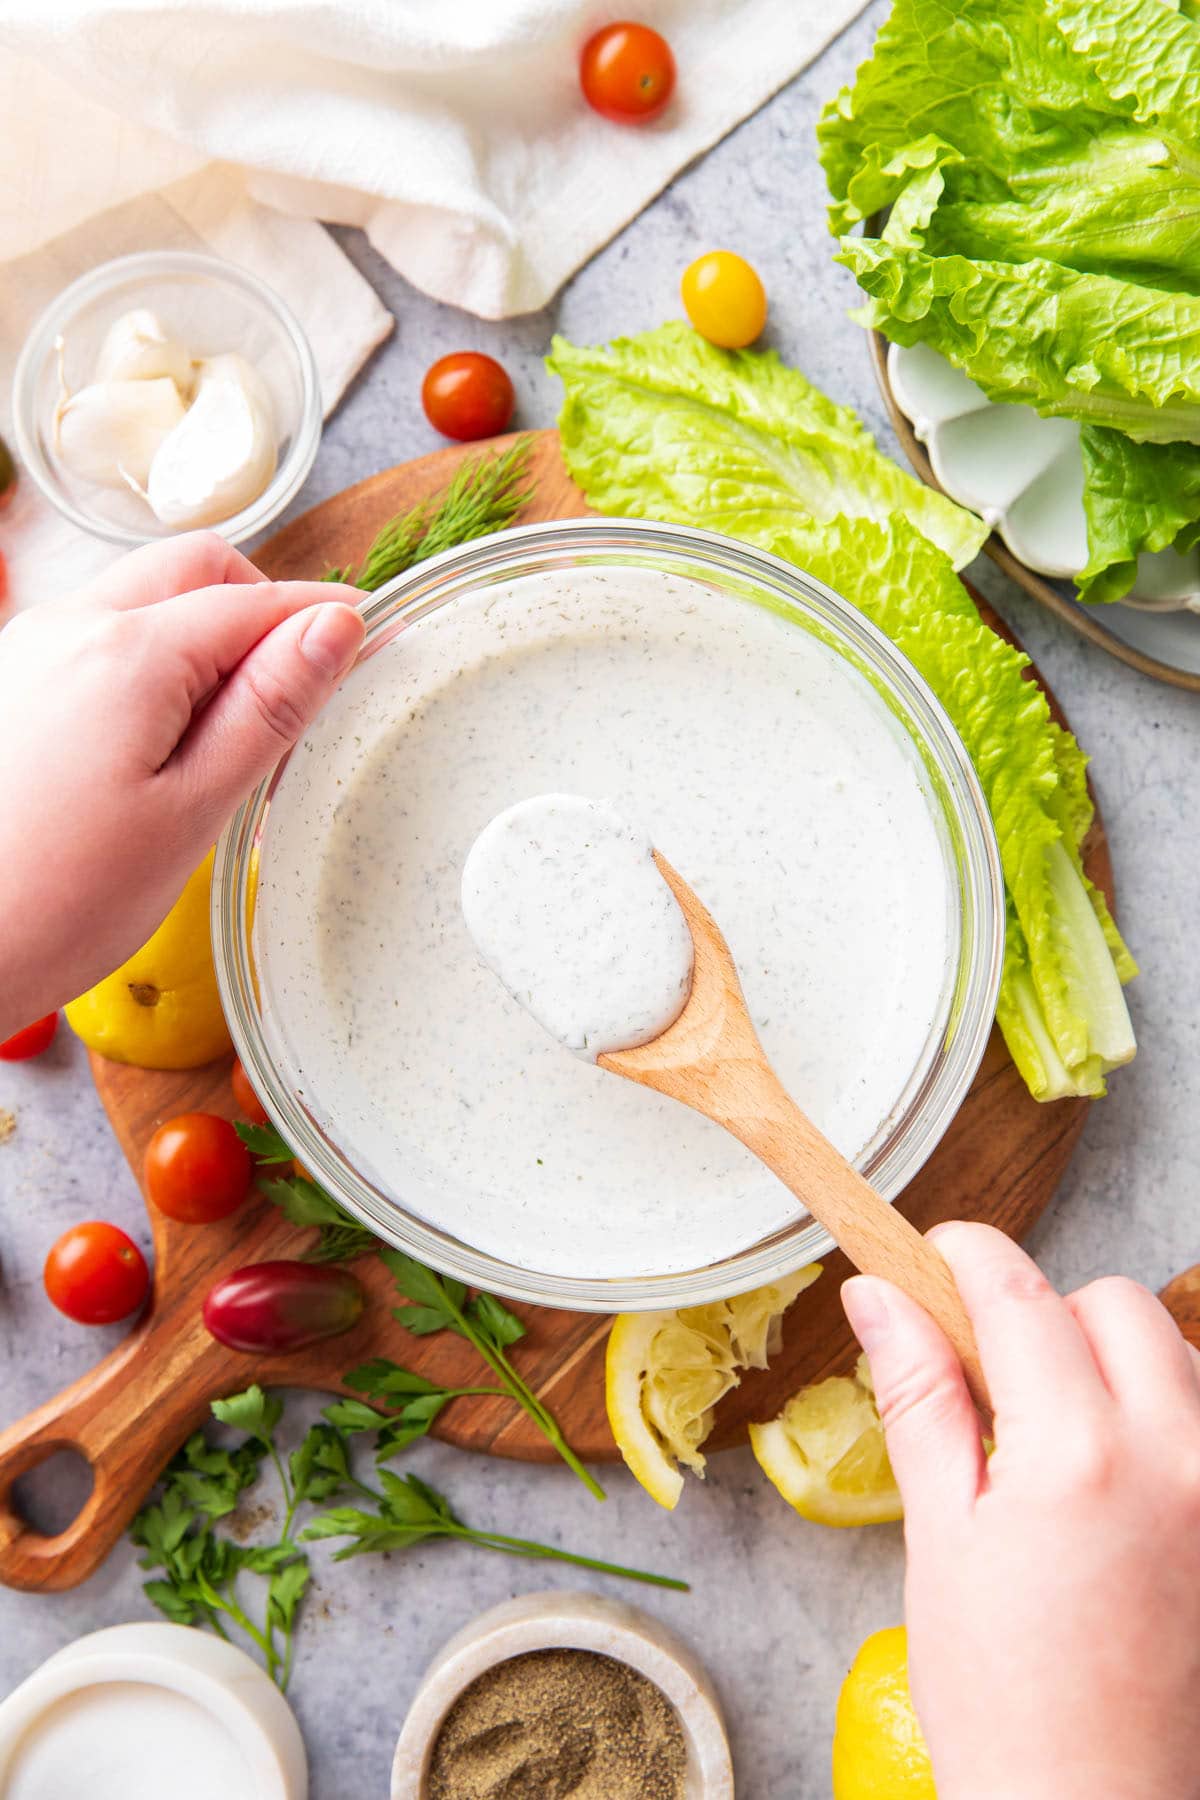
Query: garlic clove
(137, 347)
(111, 430)
(222, 453)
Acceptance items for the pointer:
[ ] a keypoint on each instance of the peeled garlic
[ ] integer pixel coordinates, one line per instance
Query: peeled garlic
(137, 348)
(110, 432)
(222, 453)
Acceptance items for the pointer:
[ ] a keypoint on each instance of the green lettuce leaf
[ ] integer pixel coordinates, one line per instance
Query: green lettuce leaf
(787, 453)
(1136, 497)
(1085, 347)
(1065, 130)
(1059, 137)
(1144, 54)
(1032, 773)
(682, 459)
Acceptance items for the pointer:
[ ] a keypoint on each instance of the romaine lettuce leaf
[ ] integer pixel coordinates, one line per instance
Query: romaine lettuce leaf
(1067, 129)
(1136, 497)
(1060, 137)
(1145, 55)
(1075, 346)
(991, 78)
(787, 454)
(655, 428)
(1031, 772)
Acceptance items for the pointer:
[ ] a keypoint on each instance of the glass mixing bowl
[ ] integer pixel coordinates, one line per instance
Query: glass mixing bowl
(211, 306)
(955, 1043)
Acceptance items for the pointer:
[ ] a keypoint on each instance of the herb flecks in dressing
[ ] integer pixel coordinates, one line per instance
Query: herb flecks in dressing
(567, 907)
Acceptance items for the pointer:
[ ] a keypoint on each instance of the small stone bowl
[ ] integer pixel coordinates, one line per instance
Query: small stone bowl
(556, 1621)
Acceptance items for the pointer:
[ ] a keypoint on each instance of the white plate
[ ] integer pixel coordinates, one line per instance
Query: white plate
(1024, 476)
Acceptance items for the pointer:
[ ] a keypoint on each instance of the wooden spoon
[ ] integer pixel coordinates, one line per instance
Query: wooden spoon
(711, 1059)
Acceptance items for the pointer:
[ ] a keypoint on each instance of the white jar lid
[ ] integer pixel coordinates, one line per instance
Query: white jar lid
(138, 1710)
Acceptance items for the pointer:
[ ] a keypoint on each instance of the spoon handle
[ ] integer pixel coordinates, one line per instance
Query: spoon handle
(877, 1239)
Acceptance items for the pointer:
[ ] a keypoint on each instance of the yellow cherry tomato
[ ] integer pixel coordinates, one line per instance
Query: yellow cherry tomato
(161, 1009)
(724, 299)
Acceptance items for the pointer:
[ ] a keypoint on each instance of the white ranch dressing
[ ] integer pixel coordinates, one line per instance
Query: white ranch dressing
(566, 905)
(768, 769)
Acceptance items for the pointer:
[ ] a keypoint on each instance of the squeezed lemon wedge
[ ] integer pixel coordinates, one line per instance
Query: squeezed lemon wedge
(666, 1371)
(826, 1453)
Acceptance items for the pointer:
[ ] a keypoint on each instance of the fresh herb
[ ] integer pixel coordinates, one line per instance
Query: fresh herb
(485, 495)
(408, 1511)
(200, 1567)
(412, 1402)
(437, 1303)
(341, 1238)
(263, 1142)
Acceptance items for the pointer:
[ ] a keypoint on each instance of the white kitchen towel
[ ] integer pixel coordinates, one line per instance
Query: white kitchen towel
(341, 315)
(452, 131)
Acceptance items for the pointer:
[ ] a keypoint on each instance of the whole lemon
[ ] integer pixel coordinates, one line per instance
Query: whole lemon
(878, 1750)
(161, 1009)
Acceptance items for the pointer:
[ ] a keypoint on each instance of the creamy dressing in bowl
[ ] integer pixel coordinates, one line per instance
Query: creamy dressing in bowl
(761, 761)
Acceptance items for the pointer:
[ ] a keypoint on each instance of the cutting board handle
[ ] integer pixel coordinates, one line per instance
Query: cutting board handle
(125, 1417)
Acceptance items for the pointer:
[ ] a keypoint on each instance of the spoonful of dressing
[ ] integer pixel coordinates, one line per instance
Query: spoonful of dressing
(567, 907)
(591, 930)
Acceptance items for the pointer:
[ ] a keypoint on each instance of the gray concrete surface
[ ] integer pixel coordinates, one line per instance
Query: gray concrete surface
(777, 1606)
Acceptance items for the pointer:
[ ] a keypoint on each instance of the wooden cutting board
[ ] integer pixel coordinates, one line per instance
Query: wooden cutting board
(1000, 1161)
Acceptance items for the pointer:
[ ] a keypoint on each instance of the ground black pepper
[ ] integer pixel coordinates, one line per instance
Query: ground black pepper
(555, 1724)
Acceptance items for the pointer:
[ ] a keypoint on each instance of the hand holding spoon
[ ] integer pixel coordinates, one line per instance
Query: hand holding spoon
(568, 905)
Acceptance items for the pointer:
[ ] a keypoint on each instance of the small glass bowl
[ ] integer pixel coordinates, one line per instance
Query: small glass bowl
(956, 1040)
(211, 306)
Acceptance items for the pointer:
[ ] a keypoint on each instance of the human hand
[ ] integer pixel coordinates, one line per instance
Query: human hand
(1053, 1590)
(135, 715)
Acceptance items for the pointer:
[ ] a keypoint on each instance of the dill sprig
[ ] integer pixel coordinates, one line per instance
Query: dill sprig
(485, 495)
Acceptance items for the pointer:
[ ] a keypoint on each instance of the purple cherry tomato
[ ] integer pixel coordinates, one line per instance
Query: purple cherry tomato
(277, 1307)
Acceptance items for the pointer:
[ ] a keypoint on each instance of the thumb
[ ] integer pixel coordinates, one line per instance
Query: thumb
(932, 1429)
(261, 708)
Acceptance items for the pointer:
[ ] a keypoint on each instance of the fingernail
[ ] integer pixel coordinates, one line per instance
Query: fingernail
(331, 639)
(866, 1307)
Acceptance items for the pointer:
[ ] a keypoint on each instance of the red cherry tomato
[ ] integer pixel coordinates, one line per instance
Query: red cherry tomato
(283, 1306)
(467, 395)
(627, 72)
(250, 1107)
(35, 1038)
(96, 1274)
(197, 1168)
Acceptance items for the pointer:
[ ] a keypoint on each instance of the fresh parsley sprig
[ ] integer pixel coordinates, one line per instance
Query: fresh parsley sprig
(340, 1237)
(414, 1403)
(199, 1567)
(485, 495)
(437, 1303)
(408, 1511)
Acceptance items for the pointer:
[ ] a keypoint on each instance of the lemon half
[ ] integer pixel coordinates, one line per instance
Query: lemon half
(827, 1456)
(666, 1371)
